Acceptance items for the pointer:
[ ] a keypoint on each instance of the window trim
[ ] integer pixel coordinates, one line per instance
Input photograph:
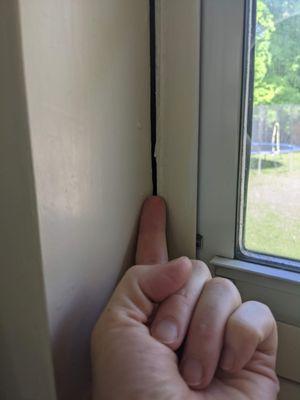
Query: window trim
(177, 96)
(220, 104)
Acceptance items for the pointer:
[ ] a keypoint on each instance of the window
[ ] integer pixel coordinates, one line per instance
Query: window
(270, 213)
(220, 35)
(227, 85)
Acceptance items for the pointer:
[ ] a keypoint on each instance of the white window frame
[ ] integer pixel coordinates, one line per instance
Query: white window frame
(220, 126)
(216, 27)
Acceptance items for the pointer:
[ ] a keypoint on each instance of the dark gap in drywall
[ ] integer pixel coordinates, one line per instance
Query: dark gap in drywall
(153, 93)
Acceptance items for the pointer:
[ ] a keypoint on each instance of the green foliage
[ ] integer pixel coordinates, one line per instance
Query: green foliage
(277, 52)
(263, 91)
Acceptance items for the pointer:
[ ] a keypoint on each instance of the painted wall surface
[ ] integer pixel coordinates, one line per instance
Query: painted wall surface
(87, 83)
(25, 359)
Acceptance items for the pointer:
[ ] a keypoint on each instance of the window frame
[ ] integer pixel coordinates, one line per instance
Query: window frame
(182, 29)
(241, 252)
(222, 83)
(220, 225)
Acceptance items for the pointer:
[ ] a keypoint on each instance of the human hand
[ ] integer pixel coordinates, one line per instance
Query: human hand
(228, 349)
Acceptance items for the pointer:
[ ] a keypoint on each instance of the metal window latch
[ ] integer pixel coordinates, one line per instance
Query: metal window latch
(199, 241)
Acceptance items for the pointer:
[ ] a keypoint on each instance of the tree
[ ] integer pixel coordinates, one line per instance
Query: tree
(277, 52)
(263, 90)
(277, 67)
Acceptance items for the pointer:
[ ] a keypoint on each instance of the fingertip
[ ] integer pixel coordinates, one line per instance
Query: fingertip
(152, 244)
(192, 372)
(154, 206)
(186, 264)
(166, 331)
(227, 362)
(155, 201)
(154, 209)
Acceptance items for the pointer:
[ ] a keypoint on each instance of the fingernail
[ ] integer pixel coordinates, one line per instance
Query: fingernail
(192, 372)
(227, 362)
(166, 331)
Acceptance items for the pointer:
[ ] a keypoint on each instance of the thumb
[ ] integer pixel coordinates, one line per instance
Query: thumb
(159, 282)
(144, 285)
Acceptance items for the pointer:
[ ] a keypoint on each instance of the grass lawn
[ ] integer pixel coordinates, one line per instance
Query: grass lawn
(273, 209)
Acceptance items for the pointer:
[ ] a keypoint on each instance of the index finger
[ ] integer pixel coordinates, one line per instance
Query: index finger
(152, 242)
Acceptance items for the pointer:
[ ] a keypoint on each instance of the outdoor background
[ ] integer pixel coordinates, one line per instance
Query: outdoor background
(272, 218)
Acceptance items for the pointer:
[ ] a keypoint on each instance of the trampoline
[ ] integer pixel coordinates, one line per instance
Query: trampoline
(270, 148)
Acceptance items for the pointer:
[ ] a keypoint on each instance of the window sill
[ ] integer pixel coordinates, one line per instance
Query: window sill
(279, 289)
(274, 278)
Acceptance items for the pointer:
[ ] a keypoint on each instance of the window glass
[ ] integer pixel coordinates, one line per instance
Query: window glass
(272, 182)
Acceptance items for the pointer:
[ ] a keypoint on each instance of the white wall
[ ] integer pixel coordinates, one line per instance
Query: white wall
(87, 83)
(25, 359)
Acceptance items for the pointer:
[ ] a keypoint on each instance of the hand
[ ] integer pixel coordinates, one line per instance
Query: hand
(228, 349)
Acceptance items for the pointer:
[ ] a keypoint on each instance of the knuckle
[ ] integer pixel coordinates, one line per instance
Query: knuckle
(152, 259)
(247, 333)
(201, 268)
(250, 334)
(132, 272)
(225, 285)
(259, 307)
(206, 331)
(190, 292)
(183, 303)
(264, 311)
